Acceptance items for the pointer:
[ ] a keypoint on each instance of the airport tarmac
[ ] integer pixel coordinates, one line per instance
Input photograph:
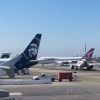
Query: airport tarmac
(86, 88)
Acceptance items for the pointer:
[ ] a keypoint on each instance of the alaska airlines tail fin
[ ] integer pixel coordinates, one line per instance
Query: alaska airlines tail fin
(89, 54)
(32, 49)
(30, 53)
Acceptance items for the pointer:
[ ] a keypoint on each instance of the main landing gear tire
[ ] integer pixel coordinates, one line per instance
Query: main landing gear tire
(53, 79)
(72, 66)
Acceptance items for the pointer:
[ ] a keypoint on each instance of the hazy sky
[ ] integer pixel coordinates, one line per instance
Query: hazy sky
(66, 25)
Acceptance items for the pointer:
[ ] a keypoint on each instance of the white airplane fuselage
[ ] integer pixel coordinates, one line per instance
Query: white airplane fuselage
(46, 60)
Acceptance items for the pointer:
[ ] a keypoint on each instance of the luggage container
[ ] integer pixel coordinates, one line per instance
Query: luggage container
(62, 75)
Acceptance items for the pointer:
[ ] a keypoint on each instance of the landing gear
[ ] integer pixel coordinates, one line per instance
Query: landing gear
(76, 68)
(72, 66)
(90, 67)
(81, 68)
(53, 79)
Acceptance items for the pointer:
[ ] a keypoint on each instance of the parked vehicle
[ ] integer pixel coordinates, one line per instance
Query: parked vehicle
(44, 76)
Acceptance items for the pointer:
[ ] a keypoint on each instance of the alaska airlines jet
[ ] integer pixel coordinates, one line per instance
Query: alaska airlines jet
(47, 60)
(23, 60)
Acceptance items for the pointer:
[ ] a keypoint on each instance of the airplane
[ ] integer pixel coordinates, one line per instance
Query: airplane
(23, 60)
(83, 64)
(59, 60)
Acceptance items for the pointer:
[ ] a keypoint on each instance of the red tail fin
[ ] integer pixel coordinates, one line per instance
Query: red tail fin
(89, 54)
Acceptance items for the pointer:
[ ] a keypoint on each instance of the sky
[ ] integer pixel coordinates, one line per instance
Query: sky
(65, 25)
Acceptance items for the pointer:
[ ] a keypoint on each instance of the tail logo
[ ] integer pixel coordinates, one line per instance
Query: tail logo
(33, 49)
(88, 55)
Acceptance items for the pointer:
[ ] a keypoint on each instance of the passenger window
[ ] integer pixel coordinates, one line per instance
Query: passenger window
(43, 75)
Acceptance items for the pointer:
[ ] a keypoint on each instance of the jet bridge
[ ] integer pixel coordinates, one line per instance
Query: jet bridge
(5, 55)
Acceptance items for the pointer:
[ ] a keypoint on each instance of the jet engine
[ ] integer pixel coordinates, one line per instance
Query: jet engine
(72, 66)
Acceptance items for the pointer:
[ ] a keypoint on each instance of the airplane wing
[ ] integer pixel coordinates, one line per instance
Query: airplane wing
(94, 64)
(2, 72)
(68, 63)
(8, 67)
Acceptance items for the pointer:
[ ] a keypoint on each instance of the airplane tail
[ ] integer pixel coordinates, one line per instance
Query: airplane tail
(32, 49)
(89, 54)
(30, 53)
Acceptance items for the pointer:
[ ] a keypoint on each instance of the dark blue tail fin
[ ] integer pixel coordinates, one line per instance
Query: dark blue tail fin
(30, 53)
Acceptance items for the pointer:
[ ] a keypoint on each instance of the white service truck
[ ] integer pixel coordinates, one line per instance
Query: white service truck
(43, 76)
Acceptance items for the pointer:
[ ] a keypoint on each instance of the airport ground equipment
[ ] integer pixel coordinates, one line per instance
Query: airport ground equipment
(24, 71)
(63, 75)
(74, 76)
(44, 76)
(3, 93)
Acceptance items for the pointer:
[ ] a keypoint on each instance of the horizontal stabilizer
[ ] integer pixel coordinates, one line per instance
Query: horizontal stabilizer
(10, 72)
(5, 67)
(11, 62)
(9, 66)
(2, 72)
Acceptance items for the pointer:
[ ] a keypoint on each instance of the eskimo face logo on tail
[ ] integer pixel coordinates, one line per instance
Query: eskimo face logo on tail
(33, 50)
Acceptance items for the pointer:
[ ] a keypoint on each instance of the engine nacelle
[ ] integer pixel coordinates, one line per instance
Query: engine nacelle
(72, 66)
(91, 66)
